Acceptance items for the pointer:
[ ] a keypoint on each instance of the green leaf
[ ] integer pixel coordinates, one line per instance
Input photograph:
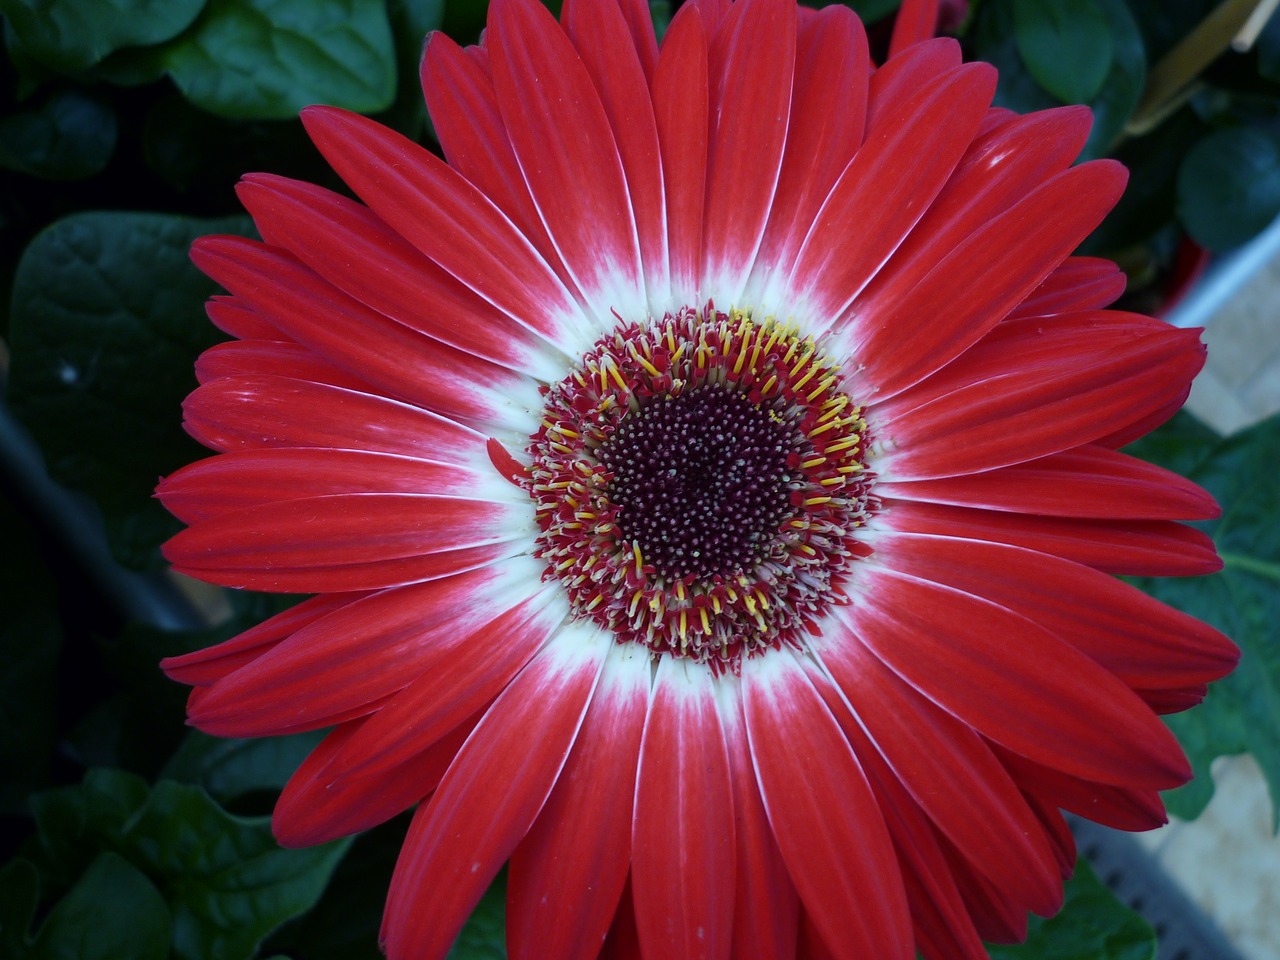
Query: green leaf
(70, 136)
(1229, 186)
(231, 769)
(226, 882)
(74, 823)
(1066, 45)
(112, 912)
(1242, 712)
(267, 59)
(995, 40)
(72, 35)
(1092, 925)
(229, 883)
(108, 316)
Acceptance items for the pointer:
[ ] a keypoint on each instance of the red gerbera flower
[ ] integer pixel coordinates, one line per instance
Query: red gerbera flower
(708, 479)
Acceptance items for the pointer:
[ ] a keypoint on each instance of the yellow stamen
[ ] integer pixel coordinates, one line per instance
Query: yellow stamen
(805, 379)
(843, 444)
(822, 387)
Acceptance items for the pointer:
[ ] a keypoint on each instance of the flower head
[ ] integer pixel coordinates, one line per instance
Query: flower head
(708, 482)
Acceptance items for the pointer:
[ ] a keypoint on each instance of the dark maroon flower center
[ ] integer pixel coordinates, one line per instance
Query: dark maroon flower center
(700, 480)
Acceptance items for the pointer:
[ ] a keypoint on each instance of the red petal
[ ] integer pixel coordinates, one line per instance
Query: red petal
(253, 412)
(357, 654)
(828, 113)
(750, 100)
(623, 942)
(681, 112)
(1174, 701)
(457, 667)
(910, 339)
(1028, 390)
(449, 220)
(1140, 548)
(996, 118)
(682, 843)
(1058, 831)
(1088, 481)
(272, 358)
(766, 911)
(316, 808)
(943, 930)
(602, 36)
(397, 360)
(559, 132)
(713, 13)
(981, 810)
(1142, 641)
(922, 66)
(873, 206)
(811, 945)
(1080, 283)
(917, 20)
(201, 668)
(489, 798)
(999, 169)
(464, 112)
(280, 543)
(246, 478)
(1057, 706)
(343, 578)
(355, 251)
(828, 825)
(567, 876)
(1144, 424)
(640, 22)
(236, 319)
(1120, 808)
(996, 919)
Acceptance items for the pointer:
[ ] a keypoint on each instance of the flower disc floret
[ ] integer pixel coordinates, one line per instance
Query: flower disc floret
(699, 482)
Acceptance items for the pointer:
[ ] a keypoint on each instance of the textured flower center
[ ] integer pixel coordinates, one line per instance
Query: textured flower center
(698, 481)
